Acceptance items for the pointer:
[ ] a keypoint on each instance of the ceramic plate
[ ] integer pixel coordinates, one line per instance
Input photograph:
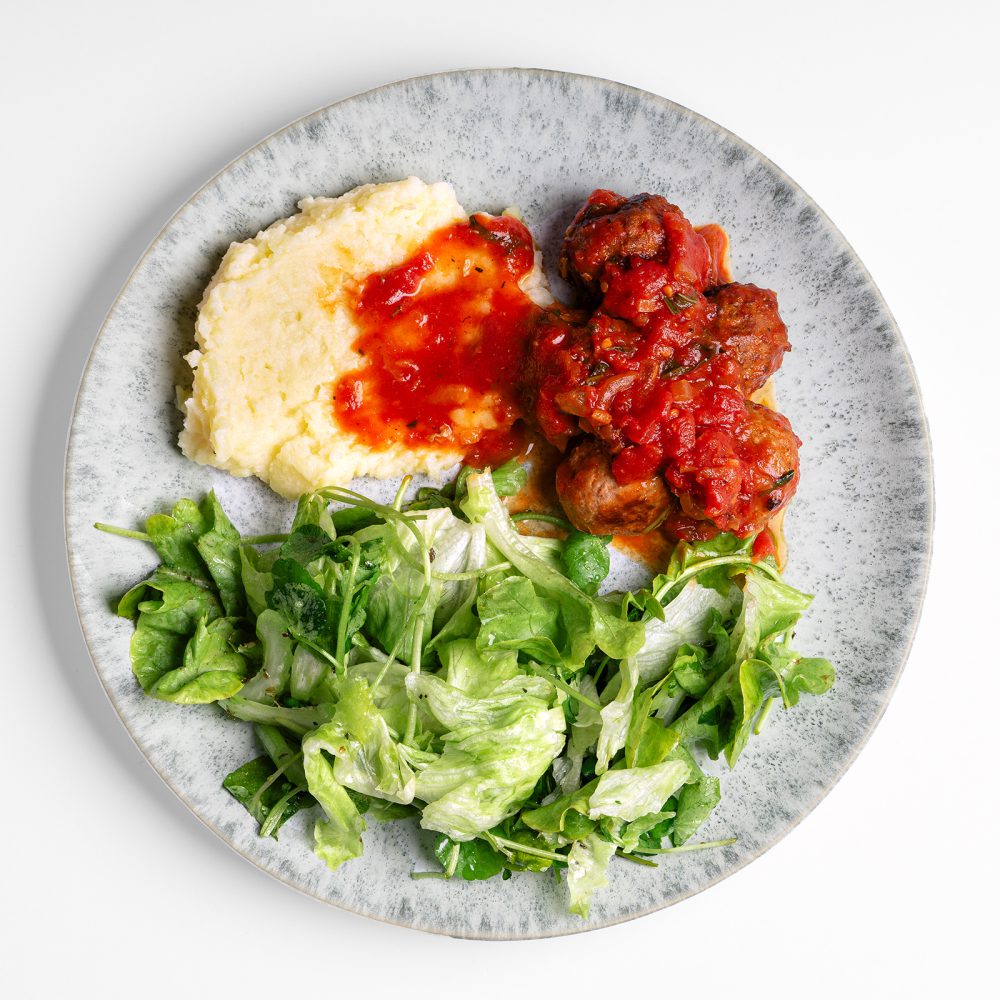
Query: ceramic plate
(859, 529)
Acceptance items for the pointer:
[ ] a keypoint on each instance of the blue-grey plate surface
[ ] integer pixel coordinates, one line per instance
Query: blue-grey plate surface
(859, 529)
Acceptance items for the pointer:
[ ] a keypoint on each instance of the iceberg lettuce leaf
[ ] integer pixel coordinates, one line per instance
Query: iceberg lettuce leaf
(687, 620)
(632, 792)
(367, 758)
(486, 774)
(617, 715)
(337, 838)
(587, 871)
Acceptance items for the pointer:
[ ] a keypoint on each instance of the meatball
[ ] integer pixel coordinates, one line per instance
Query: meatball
(768, 454)
(746, 324)
(594, 501)
(559, 358)
(611, 234)
(610, 228)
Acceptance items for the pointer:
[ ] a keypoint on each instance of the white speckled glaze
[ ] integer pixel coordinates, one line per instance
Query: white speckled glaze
(859, 529)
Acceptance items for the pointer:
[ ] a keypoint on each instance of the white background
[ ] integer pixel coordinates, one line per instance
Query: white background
(114, 113)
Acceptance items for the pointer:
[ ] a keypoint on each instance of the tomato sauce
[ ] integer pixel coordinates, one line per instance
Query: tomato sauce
(539, 493)
(653, 549)
(443, 339)
(717, 240)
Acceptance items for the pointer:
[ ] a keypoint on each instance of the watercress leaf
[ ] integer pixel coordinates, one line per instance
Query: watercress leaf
(305, 544)
(556, 816)
(171, 604)
(587, 560)
(389, 812)
(695, 803)
(653, 837)
(299, 599)
(477, 860)
(648, 741)
(128, 603)
(806, 675)
(245, 784)
(576, 826)
(246, 780)
(349, 520)
(429, 497)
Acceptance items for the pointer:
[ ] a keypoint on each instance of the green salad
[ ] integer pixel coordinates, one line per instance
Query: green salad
(427, 659)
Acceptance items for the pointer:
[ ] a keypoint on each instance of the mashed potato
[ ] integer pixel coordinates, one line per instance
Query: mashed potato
(275, 331)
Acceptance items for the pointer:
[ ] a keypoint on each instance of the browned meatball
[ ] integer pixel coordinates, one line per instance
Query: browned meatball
(771, 450)
(768, 454)
(594, 501)
(747, 325)
(560, 356)
(610, 228)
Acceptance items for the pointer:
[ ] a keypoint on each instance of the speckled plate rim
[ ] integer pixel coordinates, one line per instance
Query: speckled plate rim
(920, 591)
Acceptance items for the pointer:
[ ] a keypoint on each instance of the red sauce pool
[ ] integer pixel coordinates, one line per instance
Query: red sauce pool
(443, 342)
